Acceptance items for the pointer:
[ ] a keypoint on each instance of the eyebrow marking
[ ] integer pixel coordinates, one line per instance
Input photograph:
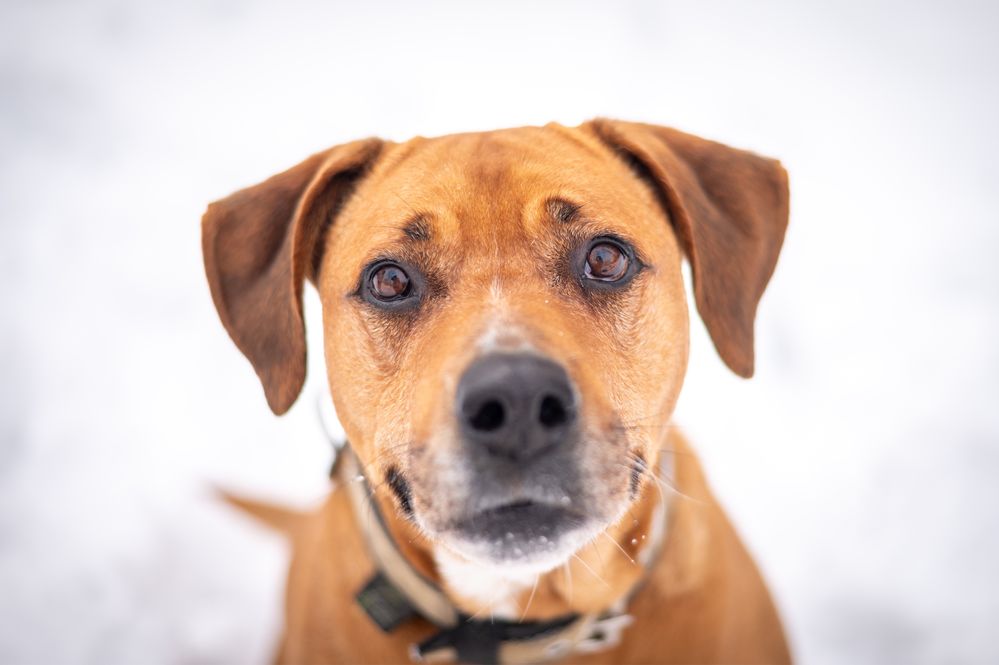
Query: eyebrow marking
(417, 229)
(562, 210)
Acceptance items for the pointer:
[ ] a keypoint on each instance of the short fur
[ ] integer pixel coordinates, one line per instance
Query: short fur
(494, 221)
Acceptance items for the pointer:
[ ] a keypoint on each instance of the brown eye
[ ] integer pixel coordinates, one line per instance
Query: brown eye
(389, 282)
(606, 262)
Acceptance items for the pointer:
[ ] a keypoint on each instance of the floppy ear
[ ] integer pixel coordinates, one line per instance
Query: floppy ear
(729, 208)
(261, 243)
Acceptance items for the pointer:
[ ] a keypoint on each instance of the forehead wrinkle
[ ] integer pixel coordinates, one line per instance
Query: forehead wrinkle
(486, 204)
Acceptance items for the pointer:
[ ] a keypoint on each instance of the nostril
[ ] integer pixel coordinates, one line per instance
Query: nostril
(489, 417)
(553, 412)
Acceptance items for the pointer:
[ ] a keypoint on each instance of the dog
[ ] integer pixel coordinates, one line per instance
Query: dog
(506, 334)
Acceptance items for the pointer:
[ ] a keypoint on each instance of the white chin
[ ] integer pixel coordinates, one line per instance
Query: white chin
(518, 558)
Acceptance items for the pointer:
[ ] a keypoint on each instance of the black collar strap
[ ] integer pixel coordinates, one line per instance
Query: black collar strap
(398, 591)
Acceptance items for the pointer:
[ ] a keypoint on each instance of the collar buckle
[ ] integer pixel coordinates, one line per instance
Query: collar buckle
(605, 633)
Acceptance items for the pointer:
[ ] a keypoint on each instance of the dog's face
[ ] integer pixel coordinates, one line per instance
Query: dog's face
(505, 321)
(492, 301)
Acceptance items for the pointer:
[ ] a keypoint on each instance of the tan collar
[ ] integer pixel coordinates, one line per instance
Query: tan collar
(461, 638)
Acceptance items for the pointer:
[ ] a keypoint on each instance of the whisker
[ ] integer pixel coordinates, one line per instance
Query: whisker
(618, 545)
(592, 572)
(490, 605)
(600, 555)
(407, 203)
(531, 597)
(663, 483)
(660, 414)
(676, 452)
(645, 471)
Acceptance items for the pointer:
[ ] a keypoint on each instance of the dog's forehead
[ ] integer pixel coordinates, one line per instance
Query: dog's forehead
(473, 187)
(492, 173)
(504, 157)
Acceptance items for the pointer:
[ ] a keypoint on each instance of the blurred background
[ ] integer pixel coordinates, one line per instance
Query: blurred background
(860, 464)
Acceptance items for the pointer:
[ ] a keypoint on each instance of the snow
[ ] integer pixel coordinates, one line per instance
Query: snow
(859, 464)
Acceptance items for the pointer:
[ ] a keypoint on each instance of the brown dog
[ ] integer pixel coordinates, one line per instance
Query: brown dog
(506, 336)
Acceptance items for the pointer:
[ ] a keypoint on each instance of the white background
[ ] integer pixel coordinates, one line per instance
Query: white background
(860, 464)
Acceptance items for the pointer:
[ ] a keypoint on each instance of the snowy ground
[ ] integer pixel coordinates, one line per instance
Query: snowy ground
(860, 464)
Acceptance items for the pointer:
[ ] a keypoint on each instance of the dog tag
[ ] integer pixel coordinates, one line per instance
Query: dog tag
(386, 606)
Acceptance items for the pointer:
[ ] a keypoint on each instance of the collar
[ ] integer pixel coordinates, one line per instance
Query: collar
(398, 592)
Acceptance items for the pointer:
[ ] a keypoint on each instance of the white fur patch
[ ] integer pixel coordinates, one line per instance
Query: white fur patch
(493, 587)
(501, 335)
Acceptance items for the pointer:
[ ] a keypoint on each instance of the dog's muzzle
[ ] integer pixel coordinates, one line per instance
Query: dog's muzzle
(519, 426)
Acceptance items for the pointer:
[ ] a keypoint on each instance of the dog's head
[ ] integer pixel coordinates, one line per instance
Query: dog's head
(505, 323)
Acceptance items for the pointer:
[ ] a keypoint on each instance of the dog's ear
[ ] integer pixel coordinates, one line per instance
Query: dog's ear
(729, 208)
(259, 246)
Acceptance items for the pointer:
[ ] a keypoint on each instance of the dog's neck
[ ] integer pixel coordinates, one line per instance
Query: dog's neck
(594, 579)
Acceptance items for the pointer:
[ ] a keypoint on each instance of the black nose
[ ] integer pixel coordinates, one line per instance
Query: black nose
(515, 406)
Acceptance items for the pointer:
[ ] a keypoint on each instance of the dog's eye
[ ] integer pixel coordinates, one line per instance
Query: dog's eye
(389, 282)
(606, 261)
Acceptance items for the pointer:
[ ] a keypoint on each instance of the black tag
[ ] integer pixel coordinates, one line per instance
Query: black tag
(384, 603)
(475, 642)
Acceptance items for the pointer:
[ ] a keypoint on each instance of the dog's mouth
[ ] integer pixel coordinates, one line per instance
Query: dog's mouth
(528, 515)
(522, 531)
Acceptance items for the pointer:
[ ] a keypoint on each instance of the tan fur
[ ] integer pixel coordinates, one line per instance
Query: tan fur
(496, 255)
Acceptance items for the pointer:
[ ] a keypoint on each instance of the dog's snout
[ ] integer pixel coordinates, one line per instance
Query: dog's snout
(515, 406)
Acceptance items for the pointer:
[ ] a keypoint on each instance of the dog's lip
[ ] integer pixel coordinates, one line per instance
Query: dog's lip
(521, 508)
(518, 515)
(513, 506)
